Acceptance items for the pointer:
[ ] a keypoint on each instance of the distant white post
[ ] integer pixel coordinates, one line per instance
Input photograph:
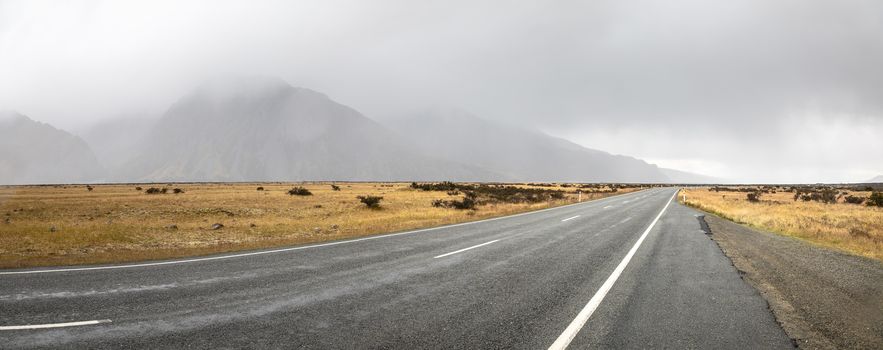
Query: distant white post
(684, 191)
(579, 194)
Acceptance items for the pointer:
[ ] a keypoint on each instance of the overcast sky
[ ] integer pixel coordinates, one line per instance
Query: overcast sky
(755, 91)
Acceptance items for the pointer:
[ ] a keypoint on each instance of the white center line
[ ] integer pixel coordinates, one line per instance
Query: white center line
(570, 218)
(52, 325)
(574, 327)
(465, 249)
(608, 207)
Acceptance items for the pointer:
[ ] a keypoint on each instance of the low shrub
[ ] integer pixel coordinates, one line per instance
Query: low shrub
(753, 197)
(335, 187)
(299, 191)
(468, 202)
(485, 193)
(154, 190)
(853, 199)
(178, 190)
(370, 201)
(828, 196)
(260, 188)
(876, 199)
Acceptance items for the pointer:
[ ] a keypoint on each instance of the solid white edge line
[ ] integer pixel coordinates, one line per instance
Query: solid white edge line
(174, 262)
(465, 249)
(574, 327)
(52, 325)
(570, 218)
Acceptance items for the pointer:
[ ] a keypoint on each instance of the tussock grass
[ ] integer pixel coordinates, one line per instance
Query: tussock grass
(119, 223)
(857, 229)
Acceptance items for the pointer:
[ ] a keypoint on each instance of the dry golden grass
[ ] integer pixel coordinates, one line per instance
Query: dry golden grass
(117, 223)
(857, 229)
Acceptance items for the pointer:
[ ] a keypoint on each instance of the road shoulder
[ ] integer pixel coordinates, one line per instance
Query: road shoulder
(823, 299)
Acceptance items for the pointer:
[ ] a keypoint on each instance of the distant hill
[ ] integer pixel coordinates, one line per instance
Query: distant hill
(37, 153)
(877, 179)
(524, 155)
(261, 129)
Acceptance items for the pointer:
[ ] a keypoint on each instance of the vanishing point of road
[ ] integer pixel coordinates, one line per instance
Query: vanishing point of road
(629, 271)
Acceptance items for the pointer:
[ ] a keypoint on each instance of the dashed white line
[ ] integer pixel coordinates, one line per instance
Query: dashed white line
(465, 249)
(574, 327)
(52, 325)
(570, 218)
(608, 207)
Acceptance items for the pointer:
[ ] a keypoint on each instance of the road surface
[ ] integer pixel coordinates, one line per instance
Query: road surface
(630, 271)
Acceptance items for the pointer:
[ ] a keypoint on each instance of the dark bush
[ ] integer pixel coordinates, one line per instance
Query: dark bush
(370, 201)
(260, 188)
(178, 190)
(138, 188)
(753, 197)
(299, 191)
(876, 199)
(853, 199)
(335, 187)
(89, 188)
(494, 193)
(468, 202)
(154, 190)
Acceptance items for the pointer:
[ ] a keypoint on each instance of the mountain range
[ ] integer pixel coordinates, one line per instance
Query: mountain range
(33, 152)
(263, 129)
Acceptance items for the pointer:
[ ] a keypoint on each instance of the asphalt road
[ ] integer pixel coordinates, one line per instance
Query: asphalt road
(572, 275)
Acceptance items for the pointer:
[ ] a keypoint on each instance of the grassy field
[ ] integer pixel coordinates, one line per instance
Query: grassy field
(62, 225)
(854, 228)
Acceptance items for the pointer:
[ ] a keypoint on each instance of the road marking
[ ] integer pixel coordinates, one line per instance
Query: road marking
(465, 249)
(570, 218)
(574, 327)
(52, 325)
(231, 256)
(608, 207)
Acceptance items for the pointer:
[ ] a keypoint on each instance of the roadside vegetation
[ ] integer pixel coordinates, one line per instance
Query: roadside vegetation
(73, 224)
(848, 218)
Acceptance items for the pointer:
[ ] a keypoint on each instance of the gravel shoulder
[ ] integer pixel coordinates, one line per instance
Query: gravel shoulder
(823, 299)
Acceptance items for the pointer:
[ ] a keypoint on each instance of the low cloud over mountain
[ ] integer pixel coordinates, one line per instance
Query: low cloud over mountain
(33, 152)
(263, 129)
(520, 154)
(252, 129)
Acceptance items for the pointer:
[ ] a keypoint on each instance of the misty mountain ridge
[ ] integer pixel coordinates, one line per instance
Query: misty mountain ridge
(525, 155)
(34, 152)
(263, 129)
(254, 129)
(876, 179)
